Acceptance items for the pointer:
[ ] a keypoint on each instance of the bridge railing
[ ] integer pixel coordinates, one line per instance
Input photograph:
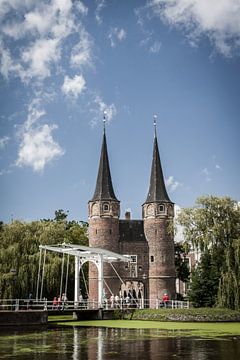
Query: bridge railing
(87, 304)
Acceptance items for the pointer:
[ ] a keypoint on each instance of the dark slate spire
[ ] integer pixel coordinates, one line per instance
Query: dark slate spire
(104, 188)
(157, 190)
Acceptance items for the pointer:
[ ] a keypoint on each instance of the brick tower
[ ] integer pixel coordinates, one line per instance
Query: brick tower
(104, 211)
(158, 213)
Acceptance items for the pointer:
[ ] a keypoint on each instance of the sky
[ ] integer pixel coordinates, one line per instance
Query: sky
(64, 62)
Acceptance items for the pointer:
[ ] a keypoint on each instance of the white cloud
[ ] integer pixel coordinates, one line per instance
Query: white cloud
(219, 20)
(218, 167)
(98, 107)
(38, 148)
(73, 87)
(5, 172)
(207, 174)
(82, 52)
(116, 34)
(3, 141)
(110, 110)
(44, 26)
(81, 7)
(155, 47)
(40, 56)
(172, 184)
(100, 6)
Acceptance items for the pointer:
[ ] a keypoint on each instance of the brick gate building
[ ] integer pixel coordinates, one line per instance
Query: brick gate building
(149, 241)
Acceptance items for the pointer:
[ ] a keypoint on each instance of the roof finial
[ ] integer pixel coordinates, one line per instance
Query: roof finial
(155, 124)
(104, 119)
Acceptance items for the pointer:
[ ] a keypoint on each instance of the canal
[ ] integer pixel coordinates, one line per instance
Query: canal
(93, 343)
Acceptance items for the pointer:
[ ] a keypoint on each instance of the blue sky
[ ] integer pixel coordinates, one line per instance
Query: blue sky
(63, 62)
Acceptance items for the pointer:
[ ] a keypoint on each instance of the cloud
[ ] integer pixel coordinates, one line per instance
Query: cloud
(37, 34)
(81, 53)
(218, 167)
(155, 47)
(218, 20)
(37, 146)
(98, 107)
(40, 56)
(172, 184)
(5, 172)
(3, 141)
(73, 87)
(207, 174)
(100, 6)
(116, 34)
(110, 110)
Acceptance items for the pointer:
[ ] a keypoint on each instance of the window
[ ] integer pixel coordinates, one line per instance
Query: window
(152, 258)
(105, 207)
(133, 259)
(133, 267)
(96, 231)
(161, 208)
(110, 231)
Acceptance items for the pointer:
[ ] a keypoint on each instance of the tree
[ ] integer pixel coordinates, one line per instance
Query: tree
(213, 226)
(19, 251)
(181, 266)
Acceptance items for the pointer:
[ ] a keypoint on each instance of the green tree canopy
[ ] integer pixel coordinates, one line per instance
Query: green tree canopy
(19, 255)
(213, 227)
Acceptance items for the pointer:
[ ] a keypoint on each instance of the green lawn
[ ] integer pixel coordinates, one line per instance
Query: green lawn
(168, 328)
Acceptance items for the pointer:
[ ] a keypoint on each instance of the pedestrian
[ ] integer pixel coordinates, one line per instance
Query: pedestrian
(54, 303)
(112, 300)
(165, 299)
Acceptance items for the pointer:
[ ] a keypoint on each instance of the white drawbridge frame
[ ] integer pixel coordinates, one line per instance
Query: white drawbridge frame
(82, 255)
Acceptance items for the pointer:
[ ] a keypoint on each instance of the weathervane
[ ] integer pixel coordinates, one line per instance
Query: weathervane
(104, 119)
(155, 124)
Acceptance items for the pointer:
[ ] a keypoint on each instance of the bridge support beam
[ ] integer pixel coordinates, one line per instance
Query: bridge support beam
(76, 280)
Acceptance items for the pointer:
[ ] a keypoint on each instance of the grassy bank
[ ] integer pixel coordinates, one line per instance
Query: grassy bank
(186, 315)
(169, 322)
(163, 329)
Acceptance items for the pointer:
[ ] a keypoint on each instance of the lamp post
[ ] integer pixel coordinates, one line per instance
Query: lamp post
(144, 289)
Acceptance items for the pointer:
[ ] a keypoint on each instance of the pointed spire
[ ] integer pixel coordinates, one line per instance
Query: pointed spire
(104, 188)
(157, 190)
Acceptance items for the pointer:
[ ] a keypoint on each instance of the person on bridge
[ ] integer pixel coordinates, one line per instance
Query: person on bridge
(165, 299)
(54, 303)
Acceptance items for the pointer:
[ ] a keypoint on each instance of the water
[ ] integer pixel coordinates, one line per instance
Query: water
(103, 343)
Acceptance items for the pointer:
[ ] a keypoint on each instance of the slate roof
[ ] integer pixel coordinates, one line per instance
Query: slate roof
(157, 190)
(131, 230)
(104, 188)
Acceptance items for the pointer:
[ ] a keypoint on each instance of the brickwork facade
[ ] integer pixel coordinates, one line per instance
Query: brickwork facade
(149, 242)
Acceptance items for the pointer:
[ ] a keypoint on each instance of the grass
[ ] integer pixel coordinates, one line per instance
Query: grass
(167, 328)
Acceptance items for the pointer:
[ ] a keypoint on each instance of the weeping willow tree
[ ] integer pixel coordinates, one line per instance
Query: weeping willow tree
(229, 285)
(19, 256)
(213, 227)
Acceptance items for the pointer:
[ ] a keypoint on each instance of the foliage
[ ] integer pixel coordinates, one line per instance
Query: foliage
(213, 227)
(181, 266)
(19, 256)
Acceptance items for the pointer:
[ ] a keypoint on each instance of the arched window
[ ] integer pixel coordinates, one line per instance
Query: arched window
(161, 208)
(152, 258)
(105, 207)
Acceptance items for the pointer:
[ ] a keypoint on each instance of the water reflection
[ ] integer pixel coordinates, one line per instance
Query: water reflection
(102, 344)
